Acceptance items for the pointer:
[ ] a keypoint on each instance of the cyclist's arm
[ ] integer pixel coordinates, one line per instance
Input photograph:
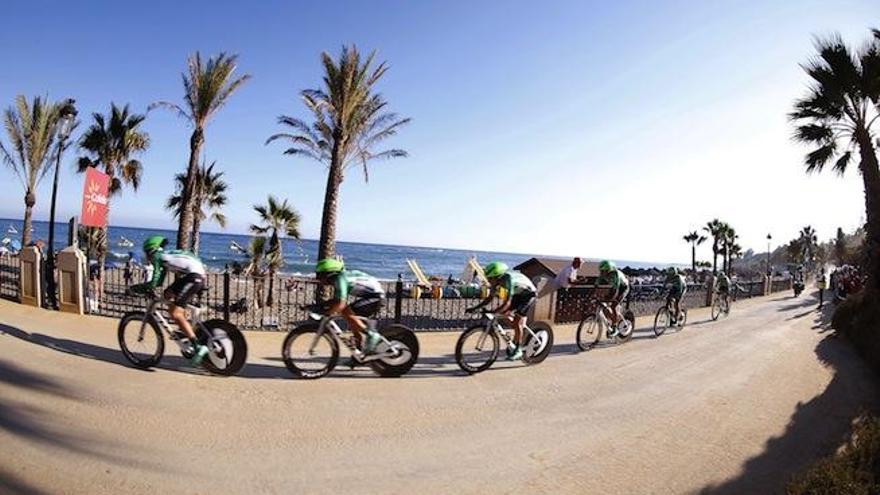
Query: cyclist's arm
(340, 296)
(158, 272)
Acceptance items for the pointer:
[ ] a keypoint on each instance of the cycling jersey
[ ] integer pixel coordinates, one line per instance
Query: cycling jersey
(174, 260)
(617, 279)
(515, 283)
(723, 281)
(357, 284)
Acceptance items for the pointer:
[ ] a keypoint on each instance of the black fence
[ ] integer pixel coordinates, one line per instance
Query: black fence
(10, 272)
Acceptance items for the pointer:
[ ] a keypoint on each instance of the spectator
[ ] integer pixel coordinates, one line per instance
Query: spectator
(96, 285)
(129, 268)
(822, 284)
(564, 279)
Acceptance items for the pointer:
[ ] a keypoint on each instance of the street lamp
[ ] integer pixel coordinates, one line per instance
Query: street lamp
(67, 119)
(769, 269)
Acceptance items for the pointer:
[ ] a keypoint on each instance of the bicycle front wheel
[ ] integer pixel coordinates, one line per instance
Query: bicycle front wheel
(661, 321)
(308, 355)
(141, 340)
(588, 333)
(477, 349)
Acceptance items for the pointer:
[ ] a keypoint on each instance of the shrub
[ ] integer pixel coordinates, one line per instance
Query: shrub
(853, 471)
(858, 318)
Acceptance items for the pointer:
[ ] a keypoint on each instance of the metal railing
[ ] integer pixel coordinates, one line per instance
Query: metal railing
(10, 272)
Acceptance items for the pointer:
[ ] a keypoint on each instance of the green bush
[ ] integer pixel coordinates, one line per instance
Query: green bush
(853, 471)
(858, 318)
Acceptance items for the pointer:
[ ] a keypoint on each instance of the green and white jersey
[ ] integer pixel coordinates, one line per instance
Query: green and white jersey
(677, 281)
(515, 283)
(617, 280)
(174, 260)
(356, 283)
(723, 282)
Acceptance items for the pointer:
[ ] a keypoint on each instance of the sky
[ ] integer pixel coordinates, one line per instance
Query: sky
(602, 129)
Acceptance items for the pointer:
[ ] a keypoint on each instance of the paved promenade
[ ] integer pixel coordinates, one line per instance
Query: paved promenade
(728, 407)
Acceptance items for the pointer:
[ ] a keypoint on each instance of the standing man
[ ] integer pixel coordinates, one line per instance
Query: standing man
(822, 284)
(564, 279)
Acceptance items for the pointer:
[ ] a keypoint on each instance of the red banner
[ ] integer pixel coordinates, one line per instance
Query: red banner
(94, 204)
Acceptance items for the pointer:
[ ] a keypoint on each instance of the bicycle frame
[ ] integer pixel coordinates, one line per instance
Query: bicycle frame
(493, 325)
(167, 327)
(328, 322)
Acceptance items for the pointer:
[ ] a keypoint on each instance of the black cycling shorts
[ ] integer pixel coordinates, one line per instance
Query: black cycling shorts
(521, 303)
(677, 294)
(185, 288)
(367, 305)
(620, 295)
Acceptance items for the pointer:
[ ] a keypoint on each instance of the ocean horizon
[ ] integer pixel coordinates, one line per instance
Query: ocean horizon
(219, 250)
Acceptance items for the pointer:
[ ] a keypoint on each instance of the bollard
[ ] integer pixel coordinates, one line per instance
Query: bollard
(30, 280)
(398, 298)
(71, 264)
(226, 294)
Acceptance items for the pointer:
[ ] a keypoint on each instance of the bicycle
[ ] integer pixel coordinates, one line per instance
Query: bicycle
(594, 324)
(142, 341)
(665, 317)
(720, 305)
(474, 356)
(394, 355)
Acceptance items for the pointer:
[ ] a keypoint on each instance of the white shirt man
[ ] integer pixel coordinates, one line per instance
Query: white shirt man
(563, 280)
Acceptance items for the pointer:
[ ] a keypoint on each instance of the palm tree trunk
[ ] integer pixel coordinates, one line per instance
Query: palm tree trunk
(271, 287)
(185, 223)
(694, 258)
(871, 177)
(327, 242)
(197, 223)
(30, 200)
(714, 259)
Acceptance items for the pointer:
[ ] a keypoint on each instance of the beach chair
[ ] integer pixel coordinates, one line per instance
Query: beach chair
(422, 282)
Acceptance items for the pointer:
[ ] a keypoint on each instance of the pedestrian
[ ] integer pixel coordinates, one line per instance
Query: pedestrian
(822, 284)
(128, 269)
(563, 280)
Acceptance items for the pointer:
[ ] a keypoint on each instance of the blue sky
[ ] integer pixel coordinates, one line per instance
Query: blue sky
(570, 127)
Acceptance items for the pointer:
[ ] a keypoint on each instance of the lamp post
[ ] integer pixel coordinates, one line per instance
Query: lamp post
(65, 126)
(769, 269)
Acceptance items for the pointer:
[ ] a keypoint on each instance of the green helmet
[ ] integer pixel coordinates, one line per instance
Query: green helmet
(672, 270)
(329, 265)
(153, 243)
(607, 266)
(495, 269)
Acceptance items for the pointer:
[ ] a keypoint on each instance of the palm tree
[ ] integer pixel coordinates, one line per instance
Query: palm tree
(840, 246)
(31, 132)
(276, 219)
(256, 253)
(209, 197)
(715, 229)
(695, 239)
(207, 87)
(729, 239)
(808, 241)
(110, 143)
(837, 116)
(349, 121)
(734, 251)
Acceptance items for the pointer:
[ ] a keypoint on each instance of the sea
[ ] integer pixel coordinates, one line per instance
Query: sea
(219, 250)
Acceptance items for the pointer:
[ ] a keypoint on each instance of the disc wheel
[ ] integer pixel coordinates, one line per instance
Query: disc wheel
(476, 349)
(141, 340)
(661, 321)
(627, 335)
(588, 332)
(537, 347)
(406, 343)
(308, 355)
(227, 350)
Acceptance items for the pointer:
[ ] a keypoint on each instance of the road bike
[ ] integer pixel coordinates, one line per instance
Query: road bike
(666, 318)
(720, 305)
(143, 343)
(311, 350)
(477, 347)
(594, 324)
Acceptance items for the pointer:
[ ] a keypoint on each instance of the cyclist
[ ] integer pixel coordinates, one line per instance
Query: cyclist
(610, 274)
(678, 288)
(520, 297)
(189, 283)
(722, 286)
(369, 299)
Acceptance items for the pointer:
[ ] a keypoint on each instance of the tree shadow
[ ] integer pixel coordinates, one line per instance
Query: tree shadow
(816, 429)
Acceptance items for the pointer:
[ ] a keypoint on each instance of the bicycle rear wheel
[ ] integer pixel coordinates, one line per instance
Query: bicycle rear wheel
(408, 347)
(536, 348)
(476, 349)
(662, 321)
(588, 333)
(716, 309)
(625, 334)
(228, 351)
(141, 340)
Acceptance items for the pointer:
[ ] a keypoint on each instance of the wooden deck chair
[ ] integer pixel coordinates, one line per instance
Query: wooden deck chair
(417, 271)
(476, 268)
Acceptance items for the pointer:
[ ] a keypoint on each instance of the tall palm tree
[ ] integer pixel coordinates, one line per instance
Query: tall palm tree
(728, 240)
(715, 229)
(840, 246)
(31, 129)
(838, 116)
(209, 197)
(110, 143)
(734, 251)
(276, 219)
(349, 121)
(207, 87)
(808, 241)
(695, 239)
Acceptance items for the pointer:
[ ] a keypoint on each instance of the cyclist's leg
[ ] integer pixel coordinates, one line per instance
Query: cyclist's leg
(520, 306)
(365, 306)
(180, 293)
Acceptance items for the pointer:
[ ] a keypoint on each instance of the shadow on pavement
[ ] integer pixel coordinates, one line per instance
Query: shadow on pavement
(817, 427)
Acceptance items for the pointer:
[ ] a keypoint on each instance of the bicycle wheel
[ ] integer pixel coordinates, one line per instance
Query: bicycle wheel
(228, 351)
(684, 318)
(408, 346)
(588, 333)
(141, 340)
(536, 348)
(661, 321)
(308, 356)
(476, 349)
(716, 309)
(625, 334)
